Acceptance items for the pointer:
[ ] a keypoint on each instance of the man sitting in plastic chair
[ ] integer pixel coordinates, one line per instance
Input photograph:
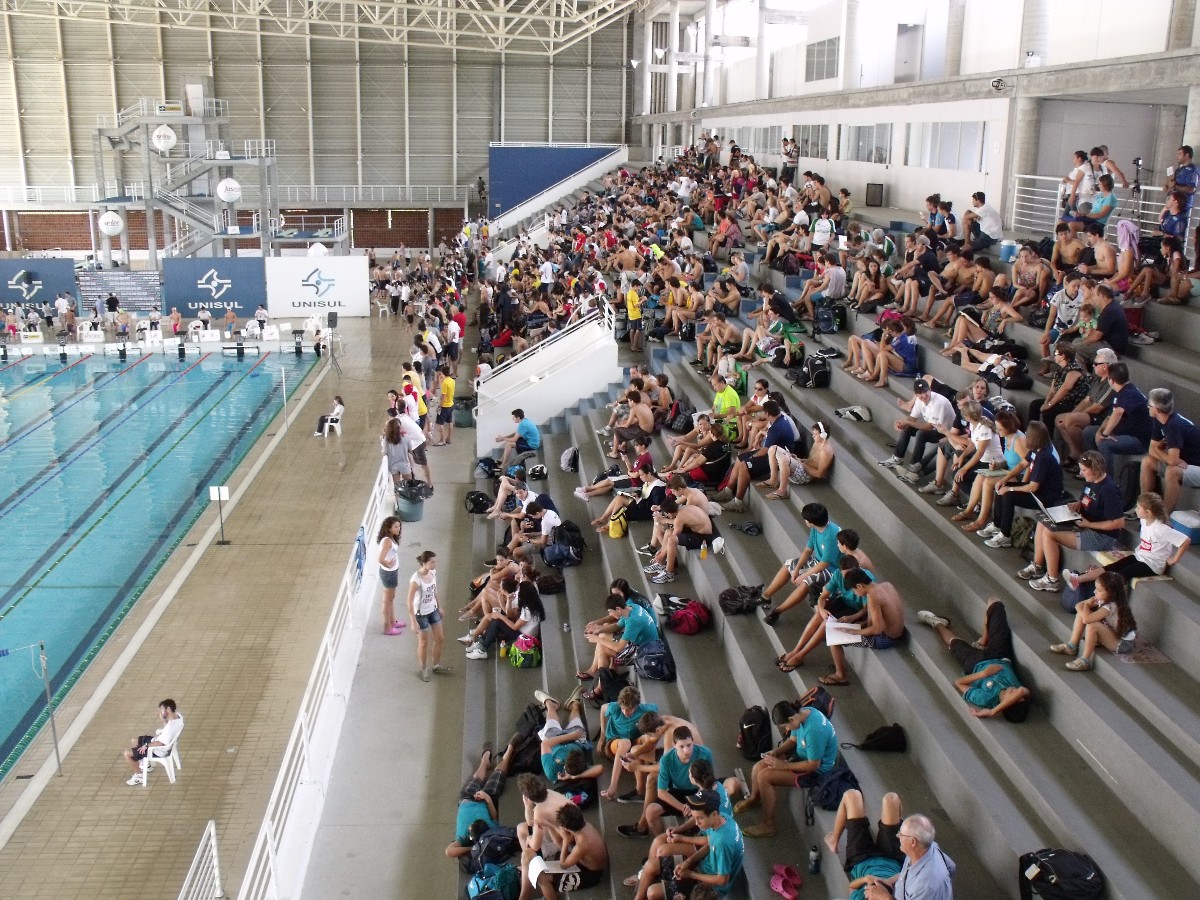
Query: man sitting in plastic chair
(160, 744)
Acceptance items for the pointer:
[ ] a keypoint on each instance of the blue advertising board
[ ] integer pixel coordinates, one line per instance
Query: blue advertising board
(25, 281)
(218, 283)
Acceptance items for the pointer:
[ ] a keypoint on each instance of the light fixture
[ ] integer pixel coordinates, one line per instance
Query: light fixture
(659, 53)
(634, 63)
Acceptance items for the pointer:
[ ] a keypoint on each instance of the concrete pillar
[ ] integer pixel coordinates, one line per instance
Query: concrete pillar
(125, 237)
(710, 61)
(647, 60)
(1191, 122)
(850, 47)
(1035, 31)
(672, 59)
(762, 81)
(1183, 25)
(151, 229)
(1168, 134)
(1025, 123)
(955, 22)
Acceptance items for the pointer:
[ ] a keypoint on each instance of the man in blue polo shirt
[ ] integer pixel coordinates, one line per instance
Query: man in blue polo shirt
(754, 464)
(1185, 177)
(1174, 450)
(811, 749)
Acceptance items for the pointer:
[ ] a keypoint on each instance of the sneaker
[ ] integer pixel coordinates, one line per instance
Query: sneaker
(467, 639)
(1082, 663)
(574, 696)
(646, 550)
(630, 797)
(1144, 340)
(1046, 583)
(604, 432)
(663, 577)
(1071, 578)
(315, 434)
(475, 651)
(1031, 571)
(654, 568)
(926, 617)
(735, 505)
(1065, 649)
(718, 546)
(631, 831)
(891, 462)
(722, 496)
(987, 531)
(912, 476)
(998, 540)
(136, 780)
(443, 669)
(950, 498)
(424, 675)
(541, 697)
(581, 493)
(932, 488)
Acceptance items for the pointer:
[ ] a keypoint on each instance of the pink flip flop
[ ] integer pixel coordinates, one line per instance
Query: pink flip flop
(789, 874)
(391, 632)
(784, 888)
(399, 624)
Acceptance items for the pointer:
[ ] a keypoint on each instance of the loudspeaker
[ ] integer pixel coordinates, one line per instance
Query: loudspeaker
(331, 319)
(874, 195)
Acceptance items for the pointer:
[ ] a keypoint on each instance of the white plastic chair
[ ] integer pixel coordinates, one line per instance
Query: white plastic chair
(171, 763)
(335, 423)
(384, 308)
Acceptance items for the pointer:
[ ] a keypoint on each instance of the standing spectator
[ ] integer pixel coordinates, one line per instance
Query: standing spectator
(426, 615)
(443, 429)
(111, 306)
(1185, 177)
(389, 572)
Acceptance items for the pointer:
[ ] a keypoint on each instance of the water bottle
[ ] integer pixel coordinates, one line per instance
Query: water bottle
(814, 861)
(504, 648)
(566, 627)
(704, 550)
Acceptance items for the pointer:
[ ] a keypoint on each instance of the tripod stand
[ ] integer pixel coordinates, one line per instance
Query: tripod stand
(333, 343)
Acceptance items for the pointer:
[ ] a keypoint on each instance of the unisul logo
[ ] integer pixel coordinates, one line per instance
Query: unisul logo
(214, 284)
(24, 282)
(318, 282)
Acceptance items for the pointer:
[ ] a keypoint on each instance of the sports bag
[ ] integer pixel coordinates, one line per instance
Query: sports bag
(693, 618)
(654, 661)
(525, 652)
(815, 373)
(679, 418)
(611, 682)
(825, 322)
(477, 502)
(495, 883)
(819, 699)
(738, 601)
(569, 461)
(884, 739)
(560, 556)
(570, 534)
(827, 790)
(618, 524)
(494, 846)
(486, 467)
(549, 582)
(755, 735)
(1059, 875)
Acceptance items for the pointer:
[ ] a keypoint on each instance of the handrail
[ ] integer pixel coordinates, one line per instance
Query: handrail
(181, 204)
(602, 311)
(538, 200)
(203, 881)
(281, 851)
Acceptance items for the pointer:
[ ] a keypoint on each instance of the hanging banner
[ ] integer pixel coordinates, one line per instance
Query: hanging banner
(215, 283)
(35, 281)
(298, 287)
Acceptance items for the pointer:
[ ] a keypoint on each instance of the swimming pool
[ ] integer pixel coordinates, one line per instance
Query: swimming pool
(104, 466)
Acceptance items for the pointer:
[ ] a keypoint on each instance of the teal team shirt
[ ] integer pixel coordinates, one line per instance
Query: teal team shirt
(823, 544)
(640, 627)
(673, 772)
(725, 851)
(469, 811)
(816, 740)
(985, 693)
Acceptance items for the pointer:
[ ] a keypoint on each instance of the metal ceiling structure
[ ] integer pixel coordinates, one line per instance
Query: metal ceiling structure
(528, 27)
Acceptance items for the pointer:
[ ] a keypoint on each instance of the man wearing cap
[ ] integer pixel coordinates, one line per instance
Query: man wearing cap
(715, 854)
(927, 416)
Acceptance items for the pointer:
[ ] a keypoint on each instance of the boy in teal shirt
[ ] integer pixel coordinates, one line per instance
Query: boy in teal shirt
(813, 568)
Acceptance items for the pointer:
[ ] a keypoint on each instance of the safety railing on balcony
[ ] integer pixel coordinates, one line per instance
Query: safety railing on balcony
(381, 194)
(603, 311)
(203, 881)
(183, 206)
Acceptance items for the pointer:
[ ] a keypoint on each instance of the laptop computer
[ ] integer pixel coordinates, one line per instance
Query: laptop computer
(1058, 515)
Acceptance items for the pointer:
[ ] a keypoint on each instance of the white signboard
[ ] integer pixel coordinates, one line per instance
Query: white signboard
(299, 287)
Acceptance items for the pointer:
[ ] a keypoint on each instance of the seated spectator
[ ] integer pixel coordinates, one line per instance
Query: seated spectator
(678, 526)
(810, 750)
(884, 624)
(976, 280)
(927, 871)
(897, 352)
(1159, 547)
(1030, 278)
(867, 856)
(836, 602)
(158, 744)
(540, 825)
(1039, 475)
(987, 320)
(1170, 271)
(718, 333)
(618, 729)
(1121, 280)
(788, 468)
(525, 439)
(543, 521)
(1090, 411)
(980, 451)
(1103, 205)
(928, 416)
(1068, 249)
(869, 288)
(827, 285)
(636, 627)
(581, 863)
(754, 464)
(639, 423)
(669, 792)
(638, 502)
(1125, 431)
(989, 684)
(494, 587)
(1068, 385)
(559, 740)
(713, 859)
(1104, 619)
(1174, 453)
(629, 481)
(983, 488)
(477, 801)
(982, 225)
(727, 235)
(501, 624)
(692, 451)
(813, 568)
(1099, 528)
(655, 732)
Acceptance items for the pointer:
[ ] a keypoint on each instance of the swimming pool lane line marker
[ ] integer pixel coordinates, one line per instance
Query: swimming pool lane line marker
(55, 375)
(91, 707)
(16, 362)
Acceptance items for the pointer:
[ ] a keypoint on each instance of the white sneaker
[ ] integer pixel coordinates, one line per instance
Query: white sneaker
(604, 432)
(932, 620)
(891, 462)
(136, 780)
(581, 493)
(1031, 571)
(475, 651)
(468, 639)
(542, 697)
(949, 498)
(987, 531)
(998, 540)
(1046, 583)
(654, 568)
(932, 488)
(1071, 578)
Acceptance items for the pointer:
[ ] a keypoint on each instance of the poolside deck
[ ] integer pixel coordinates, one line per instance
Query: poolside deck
(229, 632)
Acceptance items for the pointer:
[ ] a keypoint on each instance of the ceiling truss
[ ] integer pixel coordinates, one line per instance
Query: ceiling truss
(530, 27)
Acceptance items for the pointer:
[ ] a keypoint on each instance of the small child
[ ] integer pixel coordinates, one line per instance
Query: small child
(1087, 322)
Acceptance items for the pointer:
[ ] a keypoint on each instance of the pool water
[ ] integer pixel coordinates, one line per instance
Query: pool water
(104, 466)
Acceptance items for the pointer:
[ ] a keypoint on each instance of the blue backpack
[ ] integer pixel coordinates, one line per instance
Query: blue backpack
(495, 883)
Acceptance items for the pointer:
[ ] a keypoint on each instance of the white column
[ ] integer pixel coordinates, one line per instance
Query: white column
(1035, 30)
(1183, 24)
(710, 62)
(647, 59)
(955, 23)
(851, 75)
(1191, 121)
(672, 52)
(762, 81)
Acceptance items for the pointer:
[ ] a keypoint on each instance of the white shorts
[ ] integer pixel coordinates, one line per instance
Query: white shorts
(553, 729)
(1191, 476)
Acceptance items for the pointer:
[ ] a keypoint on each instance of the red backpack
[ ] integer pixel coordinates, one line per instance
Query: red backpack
(692, 618)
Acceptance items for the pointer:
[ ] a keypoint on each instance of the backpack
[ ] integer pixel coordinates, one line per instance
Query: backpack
(495, 883)
(538, 473)
(737, 601)
(654, 661)
(477, 502)
(679, 417)
(527, 753)
(827, 790)
(1059, 875)
(560, 556)
(693, 618)
(824, 321)
(570, 534)
(618, 524)
(815, 373)
(687, 331)
(1129, 480)
(486, 467)
(611, 682)
(494, 846)
(569, 461)
(755, 735)
(525, 652)
(517, 471)
(884, 739)
(819, 699)
(1022, 535)
(549, 583)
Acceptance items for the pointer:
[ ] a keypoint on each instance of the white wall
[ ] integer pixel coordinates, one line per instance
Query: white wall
(552, 380)
(992, 35)
(1069, 125)
(1107, 28)
(906, 187)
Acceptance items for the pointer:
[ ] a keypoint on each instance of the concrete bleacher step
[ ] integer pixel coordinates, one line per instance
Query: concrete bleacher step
(1182, 807)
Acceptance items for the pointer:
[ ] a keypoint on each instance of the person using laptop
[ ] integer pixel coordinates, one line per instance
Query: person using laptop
(1038, 477)
(1102, 519)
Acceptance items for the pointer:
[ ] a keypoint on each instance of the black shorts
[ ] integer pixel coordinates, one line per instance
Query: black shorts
(635, 324)
(452, 350)
(419, 456)
(999, 645)
(839, 608)
(142, 750)
(445, 415)
(861, 845)
(758, 467)
(692, 541)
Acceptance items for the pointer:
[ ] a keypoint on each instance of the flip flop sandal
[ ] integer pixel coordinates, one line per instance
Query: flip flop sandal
(830, 681)
(783, 888)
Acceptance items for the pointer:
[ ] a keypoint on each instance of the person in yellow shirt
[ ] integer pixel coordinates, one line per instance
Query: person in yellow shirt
(633, 307)
(413, 377)
(443, 430)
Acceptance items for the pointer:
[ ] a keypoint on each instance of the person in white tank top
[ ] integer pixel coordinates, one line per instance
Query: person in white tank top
(389, 572)
(426, 616)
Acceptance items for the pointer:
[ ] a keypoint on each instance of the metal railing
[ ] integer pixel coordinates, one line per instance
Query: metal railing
(182, 205)
(554, 192)
(322, 226)
(280, 856)
(257, 149)
(603, 312)
(370, 193)
(135, 190)
(144, 107)
(53, 196)
(203, 881)
(21, 195)
(1034, 206)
